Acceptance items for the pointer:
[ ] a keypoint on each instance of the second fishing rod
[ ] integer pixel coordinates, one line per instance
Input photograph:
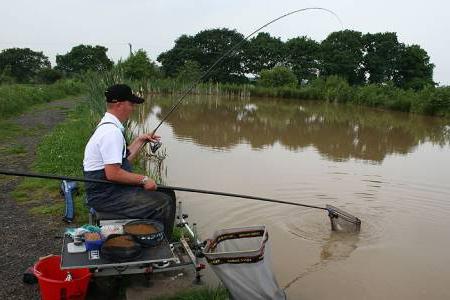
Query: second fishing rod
(154, 146)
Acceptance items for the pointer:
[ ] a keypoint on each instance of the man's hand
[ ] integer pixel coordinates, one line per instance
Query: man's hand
(141, 140)
(150, 185)
(148, 137)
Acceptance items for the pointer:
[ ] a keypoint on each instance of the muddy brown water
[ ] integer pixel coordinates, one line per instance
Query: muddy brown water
(389, 169)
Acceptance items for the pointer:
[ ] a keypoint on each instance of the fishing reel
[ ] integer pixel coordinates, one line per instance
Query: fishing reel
(154, 146)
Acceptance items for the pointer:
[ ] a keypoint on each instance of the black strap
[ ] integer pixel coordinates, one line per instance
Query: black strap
(236, 235)
(236, 260)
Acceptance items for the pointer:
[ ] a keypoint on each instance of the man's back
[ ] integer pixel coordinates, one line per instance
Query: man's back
(106, 145)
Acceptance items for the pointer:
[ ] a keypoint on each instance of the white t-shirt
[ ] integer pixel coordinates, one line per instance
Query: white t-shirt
(106, 146)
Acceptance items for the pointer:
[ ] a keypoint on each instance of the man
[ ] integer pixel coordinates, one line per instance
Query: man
(108, 157)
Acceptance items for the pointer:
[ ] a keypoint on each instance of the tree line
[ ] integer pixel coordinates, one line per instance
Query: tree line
(377, 58)
(358, 58)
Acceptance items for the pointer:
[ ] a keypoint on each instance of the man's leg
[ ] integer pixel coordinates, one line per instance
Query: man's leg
(169, 213)
(142, 204)
(157, 206)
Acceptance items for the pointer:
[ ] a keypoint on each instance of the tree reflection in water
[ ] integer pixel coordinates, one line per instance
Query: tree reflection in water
(338, 132)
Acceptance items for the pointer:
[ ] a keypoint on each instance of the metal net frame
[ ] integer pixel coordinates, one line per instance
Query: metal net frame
(342, 221)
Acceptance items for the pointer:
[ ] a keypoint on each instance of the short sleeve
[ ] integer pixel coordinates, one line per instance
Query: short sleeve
(111, 147)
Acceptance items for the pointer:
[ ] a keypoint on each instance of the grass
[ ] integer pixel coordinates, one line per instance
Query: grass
(17, 98)
(14, 150)
(219, 293)
(9, 130)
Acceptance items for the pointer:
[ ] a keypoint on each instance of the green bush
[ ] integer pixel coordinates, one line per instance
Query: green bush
(48, 76)
(138, 66)
(433, 101)
(278, 77)
(336, 89)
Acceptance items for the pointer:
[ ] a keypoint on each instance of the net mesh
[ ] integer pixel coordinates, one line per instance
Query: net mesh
(343, 221)
(241, 259)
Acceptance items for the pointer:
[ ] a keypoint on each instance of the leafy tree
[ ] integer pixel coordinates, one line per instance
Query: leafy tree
(176, 57)
(212, 44)
(303, 57)
(189, 72)
(415, 70)
(381, 57)
(139, 66)
(83, 58)
(263, 52)
(342, 55)
(205, 48)
(277, 77)
(22, 64)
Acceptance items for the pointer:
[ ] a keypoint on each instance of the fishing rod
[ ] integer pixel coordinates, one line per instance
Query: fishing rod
(189, 89)
(340, 220)
(160, 187)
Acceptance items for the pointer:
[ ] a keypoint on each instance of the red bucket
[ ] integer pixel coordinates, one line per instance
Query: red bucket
(57, 284)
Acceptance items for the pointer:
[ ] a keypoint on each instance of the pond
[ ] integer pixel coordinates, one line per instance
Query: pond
(389, 169)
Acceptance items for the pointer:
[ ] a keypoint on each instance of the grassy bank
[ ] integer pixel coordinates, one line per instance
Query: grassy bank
(16, 98)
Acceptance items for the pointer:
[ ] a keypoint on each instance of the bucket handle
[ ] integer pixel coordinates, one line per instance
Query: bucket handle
(36, 272)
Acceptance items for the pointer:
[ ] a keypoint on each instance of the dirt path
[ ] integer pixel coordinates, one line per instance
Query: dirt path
(25, 238)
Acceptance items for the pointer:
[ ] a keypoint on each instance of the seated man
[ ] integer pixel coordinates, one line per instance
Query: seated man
(107, 157)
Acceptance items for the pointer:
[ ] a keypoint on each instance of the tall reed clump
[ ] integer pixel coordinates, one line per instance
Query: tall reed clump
(97, 83)
(16, 98)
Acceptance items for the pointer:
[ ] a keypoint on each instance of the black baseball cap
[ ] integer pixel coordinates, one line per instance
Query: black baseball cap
(121, 92)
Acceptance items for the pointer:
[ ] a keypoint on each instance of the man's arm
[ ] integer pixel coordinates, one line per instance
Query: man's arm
(115, 173)
(137, 144)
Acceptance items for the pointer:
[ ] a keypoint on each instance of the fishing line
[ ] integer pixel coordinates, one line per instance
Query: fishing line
(210, 69)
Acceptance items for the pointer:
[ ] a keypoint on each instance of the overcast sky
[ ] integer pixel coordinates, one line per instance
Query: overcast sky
(55, 26)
